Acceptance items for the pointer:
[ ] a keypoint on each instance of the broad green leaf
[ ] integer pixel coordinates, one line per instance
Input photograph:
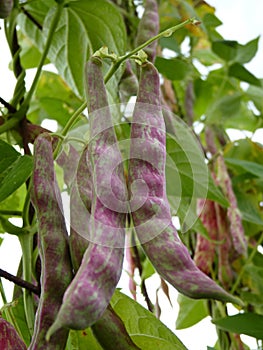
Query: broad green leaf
(190, 311)
(226, 49)
(225, 107)
(210, 20)
(206, 56)
(82, 340)
(53, 100)
(30, 55)
(92, 25)
(247, 323)
(146, 331)
(254, 277)
(246, 52)
(248, 206)
(247, 166)
(256, 95)
(15, 175)
(238, 71)
(173, 69)
(170, 43)
(8, 156)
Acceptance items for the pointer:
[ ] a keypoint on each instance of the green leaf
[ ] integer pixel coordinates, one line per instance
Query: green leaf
(30, 55)
(256, 95)
(82, 340)
(15, 175)
(248, 208)
(53, 100)
(8, 156)
(215, 194)
(226, 49)
(247, 323)
(92, 25)
(245, 165)
(238, 71)
(246, 52)
(191, 311)
(173, 69)
(146, 331)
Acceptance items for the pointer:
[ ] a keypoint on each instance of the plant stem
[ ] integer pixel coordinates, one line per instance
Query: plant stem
(51, 32)
(250, 258)
(26, 246)
(2, 292)
(68, 126)
(165, 33)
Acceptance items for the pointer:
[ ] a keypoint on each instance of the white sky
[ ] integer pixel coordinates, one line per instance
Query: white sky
(242, 21)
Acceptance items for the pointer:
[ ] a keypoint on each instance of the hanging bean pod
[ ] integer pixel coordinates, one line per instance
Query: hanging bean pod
(149, 205)
(56, 271)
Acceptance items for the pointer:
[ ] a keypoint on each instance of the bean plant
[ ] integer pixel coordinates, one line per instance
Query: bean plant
(139, 177)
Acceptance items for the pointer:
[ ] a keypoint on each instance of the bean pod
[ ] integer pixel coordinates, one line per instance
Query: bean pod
(95, 281)
(205, 248)
(56, 271)
(163, 247)
(9, 339)
(148, 27)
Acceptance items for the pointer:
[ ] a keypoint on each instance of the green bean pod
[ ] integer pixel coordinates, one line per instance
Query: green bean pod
(90, 292)
(149, 205)
(56, 271)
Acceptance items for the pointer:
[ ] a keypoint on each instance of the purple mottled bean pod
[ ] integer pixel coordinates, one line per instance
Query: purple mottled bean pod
(90, 292)
(234, 216)
(225, 247)
(205, 249)
(163, 247)
(56, 271)
(148, 27)
(9, 339)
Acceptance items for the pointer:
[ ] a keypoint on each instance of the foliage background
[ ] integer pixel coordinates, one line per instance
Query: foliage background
(233, 24)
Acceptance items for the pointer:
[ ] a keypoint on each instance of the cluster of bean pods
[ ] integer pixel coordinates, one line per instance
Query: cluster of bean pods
(76, 293)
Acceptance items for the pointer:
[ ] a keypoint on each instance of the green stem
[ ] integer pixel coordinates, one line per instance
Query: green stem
(165, 33)
(68, 126)
(250, 258)
(26, 242)
(2, 292)
(51, 32)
